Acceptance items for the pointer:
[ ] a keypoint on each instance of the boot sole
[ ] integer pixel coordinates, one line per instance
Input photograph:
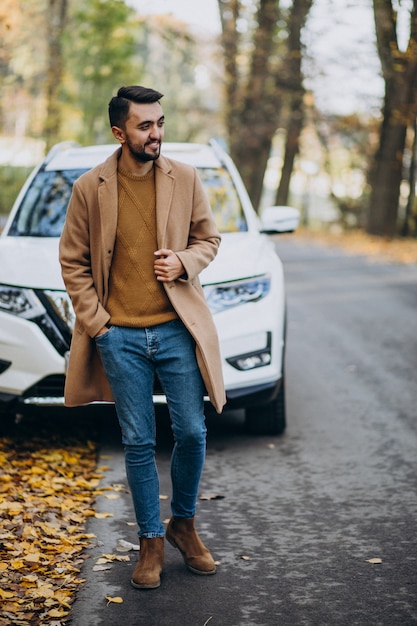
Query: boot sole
(138, 586)
(192, 569)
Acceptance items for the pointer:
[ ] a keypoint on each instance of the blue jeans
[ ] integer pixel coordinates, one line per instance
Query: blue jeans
(131, 357)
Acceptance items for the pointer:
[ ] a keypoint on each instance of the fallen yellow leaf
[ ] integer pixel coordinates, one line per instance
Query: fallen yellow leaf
(13, 508)
(103, 560)
(43, 591)
(57, 613)
(117, 487)
(32, 558)
(29, 531)
(116, 600)
(62, 597)
(30, 578)
(37, 470)
(13, 607)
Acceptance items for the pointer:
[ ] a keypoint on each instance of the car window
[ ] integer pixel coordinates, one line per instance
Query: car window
(42, 212)
(224, 200)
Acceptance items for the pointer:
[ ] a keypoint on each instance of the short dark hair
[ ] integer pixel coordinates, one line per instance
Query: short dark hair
(119, 105)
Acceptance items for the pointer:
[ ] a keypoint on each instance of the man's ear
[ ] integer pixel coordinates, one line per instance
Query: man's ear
(119, 134)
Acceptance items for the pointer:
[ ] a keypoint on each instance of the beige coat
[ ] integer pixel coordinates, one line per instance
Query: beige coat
(184, 225)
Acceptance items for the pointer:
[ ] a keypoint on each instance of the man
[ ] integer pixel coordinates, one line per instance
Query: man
(138, 232)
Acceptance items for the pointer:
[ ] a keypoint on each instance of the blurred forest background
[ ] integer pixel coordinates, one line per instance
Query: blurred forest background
(254, 85)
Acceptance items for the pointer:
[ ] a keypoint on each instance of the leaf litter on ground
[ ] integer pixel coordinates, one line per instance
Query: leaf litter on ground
(48, 484)
(402, 250)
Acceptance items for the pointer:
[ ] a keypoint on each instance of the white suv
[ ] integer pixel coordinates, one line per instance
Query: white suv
(244, 286)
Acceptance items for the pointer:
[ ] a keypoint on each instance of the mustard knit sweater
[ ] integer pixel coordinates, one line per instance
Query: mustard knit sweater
(136, 298)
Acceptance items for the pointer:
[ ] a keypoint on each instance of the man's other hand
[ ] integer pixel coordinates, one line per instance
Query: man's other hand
(167, 266)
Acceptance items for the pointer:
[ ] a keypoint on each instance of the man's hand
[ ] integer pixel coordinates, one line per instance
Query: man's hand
(102, 331)
(167, 266)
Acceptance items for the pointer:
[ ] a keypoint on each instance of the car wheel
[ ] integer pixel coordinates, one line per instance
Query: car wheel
(268, 419)
(7, 419)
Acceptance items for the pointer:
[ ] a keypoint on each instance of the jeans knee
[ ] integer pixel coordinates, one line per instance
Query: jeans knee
(193, 437)
(139, 454)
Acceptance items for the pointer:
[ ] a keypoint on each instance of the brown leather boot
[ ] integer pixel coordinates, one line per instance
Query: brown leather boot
(182, 535)
(148, 569)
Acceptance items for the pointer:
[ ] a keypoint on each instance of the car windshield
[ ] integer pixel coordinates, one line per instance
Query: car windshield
(42, 212)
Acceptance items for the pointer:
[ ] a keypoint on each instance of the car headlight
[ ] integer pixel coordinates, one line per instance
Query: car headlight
(21, 302)
(62, 305)
(225, 296)
(51, 311)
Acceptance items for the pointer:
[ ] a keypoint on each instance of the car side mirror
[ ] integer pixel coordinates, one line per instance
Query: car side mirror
(279, 219)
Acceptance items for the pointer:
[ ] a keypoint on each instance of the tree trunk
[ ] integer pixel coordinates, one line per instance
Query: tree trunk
(409, 226)
(253, 102)
(399, 112)
(294, 127)
(256, 78)
(388, 171)
(294, 83)
(56, 22)
(251, 146)
(229, 17)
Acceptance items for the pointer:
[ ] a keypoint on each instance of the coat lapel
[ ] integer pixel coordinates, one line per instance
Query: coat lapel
(164, 184)
(107, 205)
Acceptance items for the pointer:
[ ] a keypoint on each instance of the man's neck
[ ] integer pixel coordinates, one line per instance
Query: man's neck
(128, 163)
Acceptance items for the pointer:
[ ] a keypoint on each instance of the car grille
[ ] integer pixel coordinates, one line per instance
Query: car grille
(51, 386)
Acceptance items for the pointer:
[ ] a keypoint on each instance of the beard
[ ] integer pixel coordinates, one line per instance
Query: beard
(138, 152)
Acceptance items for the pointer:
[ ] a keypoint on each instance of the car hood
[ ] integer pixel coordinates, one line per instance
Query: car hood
(33, 262)
(241, 255)
(30, 262)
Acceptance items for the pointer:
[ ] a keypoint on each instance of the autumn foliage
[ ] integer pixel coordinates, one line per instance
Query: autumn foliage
(48, 486)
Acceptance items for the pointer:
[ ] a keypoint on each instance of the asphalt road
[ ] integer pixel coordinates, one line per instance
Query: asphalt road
(307, 510)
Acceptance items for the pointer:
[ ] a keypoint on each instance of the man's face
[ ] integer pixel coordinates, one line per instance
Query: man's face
(144, 131)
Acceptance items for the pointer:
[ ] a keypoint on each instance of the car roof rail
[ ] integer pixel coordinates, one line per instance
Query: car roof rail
(219, 146)
(59, 147)
(220, 149)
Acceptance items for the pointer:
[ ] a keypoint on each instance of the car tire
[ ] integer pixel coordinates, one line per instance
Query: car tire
(268, 419)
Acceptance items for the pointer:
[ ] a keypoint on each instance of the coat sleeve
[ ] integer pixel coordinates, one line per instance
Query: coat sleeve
(75, 259)
(204, 237)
